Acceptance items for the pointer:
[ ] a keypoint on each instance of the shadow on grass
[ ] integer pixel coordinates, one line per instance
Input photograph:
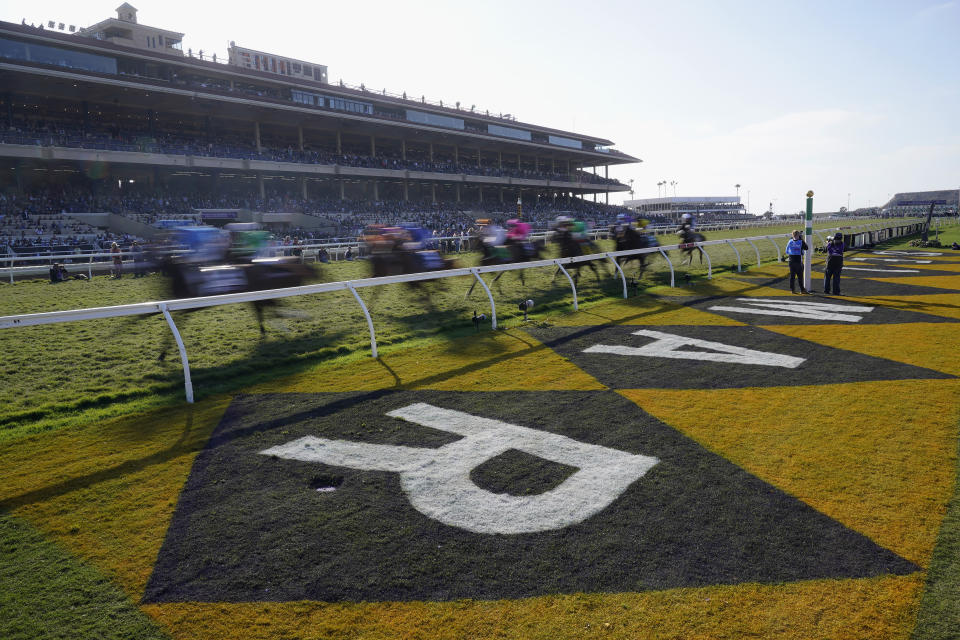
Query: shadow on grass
(181, 446)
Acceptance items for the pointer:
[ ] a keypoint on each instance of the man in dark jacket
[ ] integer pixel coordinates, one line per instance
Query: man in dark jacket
(835, 248)
(795, 248)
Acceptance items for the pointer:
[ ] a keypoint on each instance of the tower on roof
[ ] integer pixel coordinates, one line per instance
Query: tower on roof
(126, 31)
(127, 13)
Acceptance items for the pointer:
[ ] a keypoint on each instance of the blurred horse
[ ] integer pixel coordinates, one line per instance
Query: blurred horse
(396, 251)
(510, 247)
(688, 240)
(188, 279)
(628, 238)
(572, 242)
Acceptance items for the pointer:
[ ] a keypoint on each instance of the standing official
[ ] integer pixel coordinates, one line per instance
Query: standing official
(835, 248)
(795, 249)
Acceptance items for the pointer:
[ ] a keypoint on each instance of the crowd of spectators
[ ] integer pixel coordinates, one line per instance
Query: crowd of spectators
(49, 132)
(42, 218)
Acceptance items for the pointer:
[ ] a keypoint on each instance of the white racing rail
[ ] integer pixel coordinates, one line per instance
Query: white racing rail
(858, 236)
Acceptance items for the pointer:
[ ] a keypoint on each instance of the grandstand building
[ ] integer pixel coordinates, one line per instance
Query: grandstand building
(916, 203)
(119, 108)
(672, 208)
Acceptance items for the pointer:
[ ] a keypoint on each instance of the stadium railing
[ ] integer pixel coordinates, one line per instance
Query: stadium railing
(866, 235)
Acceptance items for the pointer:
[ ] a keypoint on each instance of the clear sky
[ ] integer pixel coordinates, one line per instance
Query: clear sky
(843, 97)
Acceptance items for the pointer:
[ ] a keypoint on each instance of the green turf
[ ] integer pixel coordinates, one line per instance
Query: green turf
(939, 617)
(47, 593)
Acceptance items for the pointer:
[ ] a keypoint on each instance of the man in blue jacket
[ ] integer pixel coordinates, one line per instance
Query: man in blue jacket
(795, 249)
(835, 248)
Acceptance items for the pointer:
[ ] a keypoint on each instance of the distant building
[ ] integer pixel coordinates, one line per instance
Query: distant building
(260, 61)
(124, 30)
(674, 207)
(914, 203)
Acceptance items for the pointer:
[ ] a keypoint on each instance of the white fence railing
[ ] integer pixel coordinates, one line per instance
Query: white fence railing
(857, 236)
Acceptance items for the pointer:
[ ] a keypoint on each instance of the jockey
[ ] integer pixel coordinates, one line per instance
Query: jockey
(517, 231)
(620, 228)
(418, 237)
(580, 233)
(248, 240)
(417, 245)
(518, 240)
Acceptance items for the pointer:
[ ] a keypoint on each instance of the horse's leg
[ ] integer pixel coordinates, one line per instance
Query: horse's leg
(496, 279)
(258, 309)
(596, 272)
(469, 291)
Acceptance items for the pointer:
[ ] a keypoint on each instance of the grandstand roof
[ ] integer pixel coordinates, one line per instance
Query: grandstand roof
(594, 151)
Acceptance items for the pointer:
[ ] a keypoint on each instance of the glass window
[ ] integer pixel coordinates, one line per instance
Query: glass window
(42, 54)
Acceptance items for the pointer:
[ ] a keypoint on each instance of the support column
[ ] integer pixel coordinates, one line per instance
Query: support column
(256, 135)
(261, 187)
(403, 150)
(500, 159)
(606, 174)
(373, 146)
(341, 189)
(480, 191)
(406, 191)
(456, 154)
(300, 135)
(501, 195)
(303, 187)
(431, 152)
(433, 193)
(339, 151)
(553, 167)
(458, 193)
(8, 112)
(536, 163)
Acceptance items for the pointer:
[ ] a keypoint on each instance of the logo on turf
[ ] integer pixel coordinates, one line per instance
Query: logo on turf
(817, 311)
(668, 345)
(437, 481)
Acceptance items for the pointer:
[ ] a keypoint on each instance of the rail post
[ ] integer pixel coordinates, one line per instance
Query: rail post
(187, 383)
(669, 264)
(776, 248)
(623, 278)
(709, 262)
(739, 262)
(573, 287)
(493, 305)
(757, 251)
(373, 335)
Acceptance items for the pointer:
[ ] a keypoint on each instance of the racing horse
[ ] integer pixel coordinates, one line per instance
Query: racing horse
(513, 247)
(628, 238)
(688, 238)
(571, 244)
(398, 251)
(192, 280)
